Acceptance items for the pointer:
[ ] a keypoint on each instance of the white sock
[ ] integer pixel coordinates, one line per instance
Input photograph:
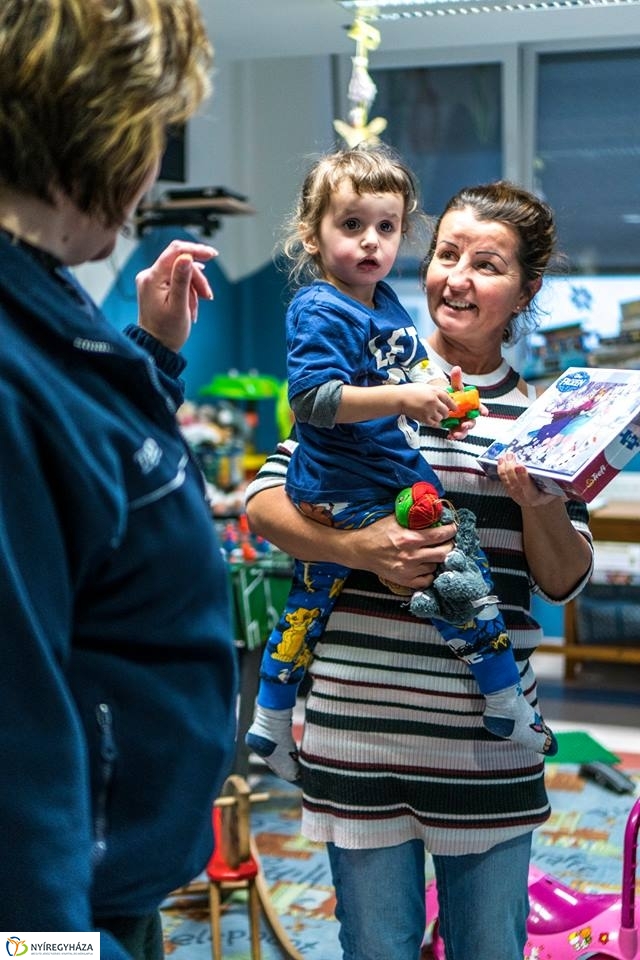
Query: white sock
(271, 738)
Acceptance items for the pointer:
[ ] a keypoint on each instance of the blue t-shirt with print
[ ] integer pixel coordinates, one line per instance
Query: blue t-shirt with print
(331, 336)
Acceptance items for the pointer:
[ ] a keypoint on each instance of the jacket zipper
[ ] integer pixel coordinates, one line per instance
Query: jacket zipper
(108, 753)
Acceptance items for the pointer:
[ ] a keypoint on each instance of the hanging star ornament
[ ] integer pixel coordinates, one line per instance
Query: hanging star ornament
(362, 90)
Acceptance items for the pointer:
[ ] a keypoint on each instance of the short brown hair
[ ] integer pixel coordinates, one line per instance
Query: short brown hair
(88, 89)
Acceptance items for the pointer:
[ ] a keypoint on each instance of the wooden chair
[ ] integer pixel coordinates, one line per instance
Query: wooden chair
(235, 865)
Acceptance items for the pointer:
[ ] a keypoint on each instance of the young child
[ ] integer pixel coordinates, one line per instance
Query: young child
(360, 384)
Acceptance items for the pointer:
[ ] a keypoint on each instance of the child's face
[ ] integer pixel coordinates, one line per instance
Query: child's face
(358, 240)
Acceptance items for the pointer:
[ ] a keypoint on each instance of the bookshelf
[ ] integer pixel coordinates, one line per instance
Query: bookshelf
(617, 522)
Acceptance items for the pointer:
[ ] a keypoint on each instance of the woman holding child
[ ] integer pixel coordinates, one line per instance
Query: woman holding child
(394, 758)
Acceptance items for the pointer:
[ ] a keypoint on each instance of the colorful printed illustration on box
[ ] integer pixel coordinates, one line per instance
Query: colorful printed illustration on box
(565, 432)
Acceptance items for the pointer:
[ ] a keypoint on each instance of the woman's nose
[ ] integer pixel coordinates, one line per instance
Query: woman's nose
(458, 276)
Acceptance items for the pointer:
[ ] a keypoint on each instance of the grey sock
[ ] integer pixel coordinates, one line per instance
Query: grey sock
(508, 714)
(271, 738)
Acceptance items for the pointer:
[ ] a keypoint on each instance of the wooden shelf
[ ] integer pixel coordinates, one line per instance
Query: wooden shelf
(203, 212)
(617, 521)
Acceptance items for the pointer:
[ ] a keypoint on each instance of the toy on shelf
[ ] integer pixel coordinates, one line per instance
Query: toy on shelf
(233, 385)
(243, 391)
(247, 548)
(217, 434)
(565, 924)
(259, 577)
(229, 455)
(240, 545)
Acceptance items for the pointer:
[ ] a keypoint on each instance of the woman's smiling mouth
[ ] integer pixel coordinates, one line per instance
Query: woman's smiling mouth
(458, 304)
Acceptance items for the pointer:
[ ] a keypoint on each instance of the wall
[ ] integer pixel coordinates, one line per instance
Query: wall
(266, 118)
(257, 145)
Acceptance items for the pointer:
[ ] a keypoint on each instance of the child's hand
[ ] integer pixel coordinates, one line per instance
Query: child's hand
(460, 431)
(426, 402)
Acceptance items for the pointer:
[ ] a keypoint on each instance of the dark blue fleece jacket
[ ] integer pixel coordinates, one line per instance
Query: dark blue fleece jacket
(119, 677)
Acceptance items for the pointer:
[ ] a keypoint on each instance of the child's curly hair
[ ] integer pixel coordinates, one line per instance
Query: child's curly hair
(369, 169)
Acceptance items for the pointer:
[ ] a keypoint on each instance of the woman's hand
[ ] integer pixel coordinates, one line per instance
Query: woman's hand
(405, 557)
(170, 289)
(519, 485)
(408, 558)
(559, 557)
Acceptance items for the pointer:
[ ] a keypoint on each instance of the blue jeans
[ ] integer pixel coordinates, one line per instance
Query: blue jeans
(483, 900)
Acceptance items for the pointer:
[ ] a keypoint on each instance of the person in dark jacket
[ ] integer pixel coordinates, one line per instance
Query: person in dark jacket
(118, 707)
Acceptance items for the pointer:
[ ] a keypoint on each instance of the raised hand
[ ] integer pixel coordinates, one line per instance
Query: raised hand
(170, 289)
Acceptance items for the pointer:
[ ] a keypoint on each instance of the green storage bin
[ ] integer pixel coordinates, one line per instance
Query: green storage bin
(258, 593)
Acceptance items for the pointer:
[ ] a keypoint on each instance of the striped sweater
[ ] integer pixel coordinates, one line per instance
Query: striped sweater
(393, 747)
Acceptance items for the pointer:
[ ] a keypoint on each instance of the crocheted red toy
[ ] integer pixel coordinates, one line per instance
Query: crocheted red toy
(459, 593)
(418, 506)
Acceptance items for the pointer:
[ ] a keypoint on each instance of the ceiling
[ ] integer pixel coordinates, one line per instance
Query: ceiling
(243, 29)
(253, 29)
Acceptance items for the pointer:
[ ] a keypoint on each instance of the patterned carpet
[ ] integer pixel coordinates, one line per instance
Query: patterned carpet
(581, 845)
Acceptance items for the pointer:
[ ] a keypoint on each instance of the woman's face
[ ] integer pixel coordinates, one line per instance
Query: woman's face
(105, 237)
(474, 282)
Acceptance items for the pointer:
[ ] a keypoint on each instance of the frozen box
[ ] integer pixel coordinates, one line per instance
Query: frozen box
(578, 434)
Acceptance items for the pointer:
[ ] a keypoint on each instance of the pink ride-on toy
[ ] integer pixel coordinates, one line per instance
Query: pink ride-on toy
(564, 924)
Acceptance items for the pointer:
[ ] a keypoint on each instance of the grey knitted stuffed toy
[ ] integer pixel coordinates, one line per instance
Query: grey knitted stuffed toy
(459, 592)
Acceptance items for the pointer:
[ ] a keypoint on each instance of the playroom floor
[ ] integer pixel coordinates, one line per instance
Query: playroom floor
(602, 700)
